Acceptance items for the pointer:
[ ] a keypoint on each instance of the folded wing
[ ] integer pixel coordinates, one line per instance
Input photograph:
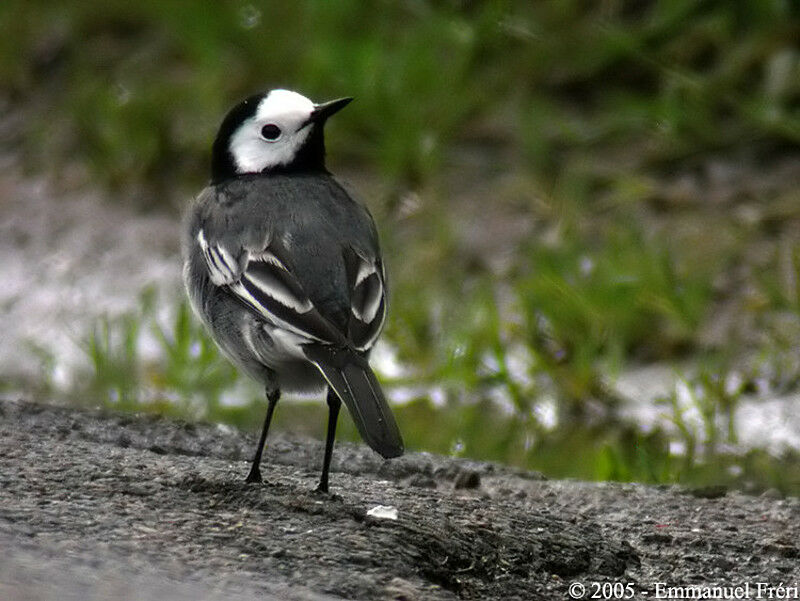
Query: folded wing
(367, 282)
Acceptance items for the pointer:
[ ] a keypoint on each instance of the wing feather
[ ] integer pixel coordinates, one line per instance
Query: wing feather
(262, 281)
(367, 298)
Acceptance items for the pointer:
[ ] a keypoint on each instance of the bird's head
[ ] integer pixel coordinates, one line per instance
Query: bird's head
(277, 131)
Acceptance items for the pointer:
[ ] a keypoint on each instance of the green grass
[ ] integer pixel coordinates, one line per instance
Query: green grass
(187, 374)
(136, 90)
(645, 144)
(188, 377)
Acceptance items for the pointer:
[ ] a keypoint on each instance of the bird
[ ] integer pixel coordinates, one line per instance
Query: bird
(283, 266)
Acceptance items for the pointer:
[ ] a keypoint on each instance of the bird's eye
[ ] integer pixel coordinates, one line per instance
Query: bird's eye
(271, 132)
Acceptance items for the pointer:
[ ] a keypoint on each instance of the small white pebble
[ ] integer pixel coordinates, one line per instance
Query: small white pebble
(383, 512)
(225, 429)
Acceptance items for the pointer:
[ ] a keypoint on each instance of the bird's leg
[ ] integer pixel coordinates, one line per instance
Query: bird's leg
(255, 471)
(334, 403)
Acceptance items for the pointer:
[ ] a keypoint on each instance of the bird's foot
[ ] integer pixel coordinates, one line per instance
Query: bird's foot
(325, 495)
(254, 477)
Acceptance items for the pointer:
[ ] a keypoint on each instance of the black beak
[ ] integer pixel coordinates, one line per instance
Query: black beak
(322, 111)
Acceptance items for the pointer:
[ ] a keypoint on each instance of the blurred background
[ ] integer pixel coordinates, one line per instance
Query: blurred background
(590, 211)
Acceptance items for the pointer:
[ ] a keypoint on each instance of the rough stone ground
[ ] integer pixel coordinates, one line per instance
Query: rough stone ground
(107, 506)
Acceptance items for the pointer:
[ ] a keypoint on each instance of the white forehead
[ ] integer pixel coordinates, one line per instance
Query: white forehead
(290, 112)
(284, 103)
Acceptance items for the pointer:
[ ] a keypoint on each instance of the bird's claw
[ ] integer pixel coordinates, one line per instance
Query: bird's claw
(254, 477)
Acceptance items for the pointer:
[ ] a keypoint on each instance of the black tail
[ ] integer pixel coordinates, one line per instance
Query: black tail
(352, 380)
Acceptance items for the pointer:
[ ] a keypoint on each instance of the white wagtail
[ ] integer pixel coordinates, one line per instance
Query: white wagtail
(284, 267)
